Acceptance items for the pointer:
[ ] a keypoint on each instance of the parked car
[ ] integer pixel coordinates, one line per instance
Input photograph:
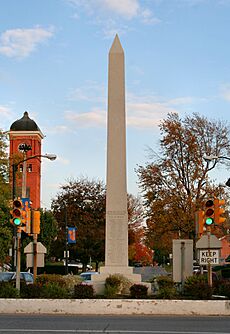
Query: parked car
(79, 265)
(10, 276)
(86, 276)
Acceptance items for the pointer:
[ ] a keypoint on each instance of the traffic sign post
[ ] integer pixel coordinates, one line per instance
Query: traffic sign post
(208, 246)
(209, 256)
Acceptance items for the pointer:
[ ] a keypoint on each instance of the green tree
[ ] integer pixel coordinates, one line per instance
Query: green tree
(49, 231)
(5, 195)
(176, 181)
(81, 203)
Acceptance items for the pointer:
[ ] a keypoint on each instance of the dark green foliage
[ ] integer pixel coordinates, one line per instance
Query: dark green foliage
(31, 290)
(83, 291)
(53, 290)
(167, 292)
(196, 287)
(138, 291)
(7, 290)
(165, 281)
(81, 203)
(223, 288)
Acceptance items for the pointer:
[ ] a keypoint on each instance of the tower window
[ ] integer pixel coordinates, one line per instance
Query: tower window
(29, 169)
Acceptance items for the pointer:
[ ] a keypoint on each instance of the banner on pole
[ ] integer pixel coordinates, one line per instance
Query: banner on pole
(72, 235)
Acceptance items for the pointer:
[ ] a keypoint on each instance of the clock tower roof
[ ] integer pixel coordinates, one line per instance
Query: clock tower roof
(24, 124)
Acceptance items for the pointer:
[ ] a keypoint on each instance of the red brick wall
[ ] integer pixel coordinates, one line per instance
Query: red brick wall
(33, 177)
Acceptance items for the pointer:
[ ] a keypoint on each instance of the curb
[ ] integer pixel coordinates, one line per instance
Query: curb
(115, 307)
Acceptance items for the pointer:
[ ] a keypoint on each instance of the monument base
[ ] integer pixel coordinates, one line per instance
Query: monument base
(98, 281)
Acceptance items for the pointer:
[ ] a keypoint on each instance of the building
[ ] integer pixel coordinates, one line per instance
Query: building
(24, 132)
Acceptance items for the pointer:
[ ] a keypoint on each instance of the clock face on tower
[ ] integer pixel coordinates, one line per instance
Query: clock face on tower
(23, 147)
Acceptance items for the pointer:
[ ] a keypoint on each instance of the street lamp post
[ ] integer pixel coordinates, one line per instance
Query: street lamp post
(18, 233)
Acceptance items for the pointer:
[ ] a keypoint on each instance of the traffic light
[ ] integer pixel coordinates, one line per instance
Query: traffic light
(209, 212)
(35, 221)
(218, 211)
(199, 221)
(27, 221)
(17, 216)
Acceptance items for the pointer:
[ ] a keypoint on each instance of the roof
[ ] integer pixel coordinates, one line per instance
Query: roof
(24, 124)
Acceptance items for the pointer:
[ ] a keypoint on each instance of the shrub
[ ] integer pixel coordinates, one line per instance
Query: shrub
(165, 282)
(138, 291)
(31, 290)
(70, 281)
(116, 284)
(45, 279)
(196, 287)
(223, 288)
(7, 290)
(83, 291)
(53, 290)
(167, 292)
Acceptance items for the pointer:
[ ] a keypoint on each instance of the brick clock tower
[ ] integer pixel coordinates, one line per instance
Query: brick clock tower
(26, 131)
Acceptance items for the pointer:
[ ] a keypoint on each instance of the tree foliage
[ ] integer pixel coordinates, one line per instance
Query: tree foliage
(176, 182)
(81, 203)
(49, 230)
(138, 251)
(5, 228)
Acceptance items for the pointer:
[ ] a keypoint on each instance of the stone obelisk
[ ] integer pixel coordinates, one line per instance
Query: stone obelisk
(116, 243)
(116, 253)
(116, 246)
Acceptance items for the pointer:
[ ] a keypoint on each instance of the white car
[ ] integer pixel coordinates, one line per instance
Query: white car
(86, 276)
(79, 265)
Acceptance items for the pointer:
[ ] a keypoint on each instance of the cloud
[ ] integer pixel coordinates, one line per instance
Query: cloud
(94, 118)
(90, 91)
(20, 43)
(107, 13)
(225, 92)
(147, 114)
(58, 129)
(5, 112)
(126, 8)
(139, 115)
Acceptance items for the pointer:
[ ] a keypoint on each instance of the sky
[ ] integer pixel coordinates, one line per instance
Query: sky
(54, 64)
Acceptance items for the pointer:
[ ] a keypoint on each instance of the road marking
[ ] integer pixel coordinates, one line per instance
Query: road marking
(102, 331)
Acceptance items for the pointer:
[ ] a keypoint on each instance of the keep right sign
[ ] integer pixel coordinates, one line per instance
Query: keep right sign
(209, 256)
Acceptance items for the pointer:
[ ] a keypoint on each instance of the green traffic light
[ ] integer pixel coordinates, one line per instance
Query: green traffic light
(209, 221)
(17, 221)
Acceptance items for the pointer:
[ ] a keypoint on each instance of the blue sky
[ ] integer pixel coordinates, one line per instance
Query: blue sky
(54, 60)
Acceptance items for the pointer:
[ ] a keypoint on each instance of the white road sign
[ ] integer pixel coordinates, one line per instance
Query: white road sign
(209, 256)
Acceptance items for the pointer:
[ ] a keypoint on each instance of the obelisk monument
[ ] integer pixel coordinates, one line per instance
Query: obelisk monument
(116, 244)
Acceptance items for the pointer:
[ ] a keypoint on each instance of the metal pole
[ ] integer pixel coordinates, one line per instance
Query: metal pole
(14, 252)
(35, 244)
(18, 265)
(19, 231)
(66, 243)
(182, 263)
(209, 263)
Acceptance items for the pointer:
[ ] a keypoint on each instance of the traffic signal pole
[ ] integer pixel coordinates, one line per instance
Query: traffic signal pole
(18, 270)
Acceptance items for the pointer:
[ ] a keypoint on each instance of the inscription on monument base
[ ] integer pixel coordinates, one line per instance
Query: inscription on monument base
(117, 238)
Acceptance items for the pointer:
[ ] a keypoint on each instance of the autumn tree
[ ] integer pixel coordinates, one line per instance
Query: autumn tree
(81, 203)
(176, 181)
(138, 250)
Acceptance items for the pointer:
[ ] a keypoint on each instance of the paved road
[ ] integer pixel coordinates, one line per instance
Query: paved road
(10, 324)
